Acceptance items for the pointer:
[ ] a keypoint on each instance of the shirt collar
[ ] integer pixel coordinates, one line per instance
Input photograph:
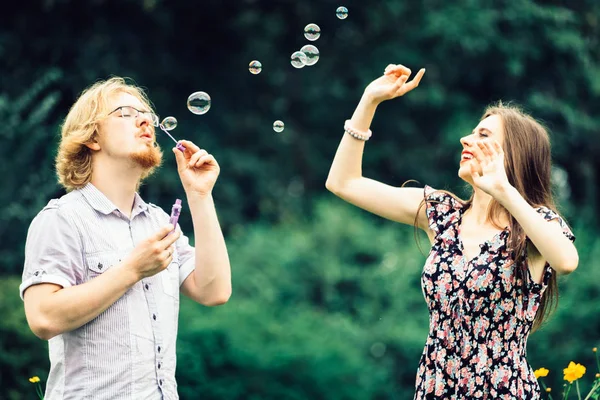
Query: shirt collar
(139, 205)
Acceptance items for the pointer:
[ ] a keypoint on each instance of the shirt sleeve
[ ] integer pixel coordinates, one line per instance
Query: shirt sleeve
(53, 251)
(186, 254)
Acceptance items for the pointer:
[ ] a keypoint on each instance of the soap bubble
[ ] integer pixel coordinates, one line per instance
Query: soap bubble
(255, 67)
(198, 103)
(341, 12)
(298, 59)
(169, 123)
(312, 54)
(278, 126)
(312, 32)
(378, 349)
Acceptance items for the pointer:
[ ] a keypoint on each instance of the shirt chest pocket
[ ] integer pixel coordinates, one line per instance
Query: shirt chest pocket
(98, 263)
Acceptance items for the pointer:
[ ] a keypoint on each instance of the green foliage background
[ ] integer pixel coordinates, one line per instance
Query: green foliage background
(327, 301)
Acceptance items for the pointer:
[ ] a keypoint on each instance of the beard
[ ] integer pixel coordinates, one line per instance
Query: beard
(149, 158)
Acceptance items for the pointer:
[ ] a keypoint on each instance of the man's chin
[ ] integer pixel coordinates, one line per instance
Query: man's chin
(148, 159)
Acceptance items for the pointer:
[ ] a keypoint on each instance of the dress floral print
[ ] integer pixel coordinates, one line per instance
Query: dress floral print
(479, 314)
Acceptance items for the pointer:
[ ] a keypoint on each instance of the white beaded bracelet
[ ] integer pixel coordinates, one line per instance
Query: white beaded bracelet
(357, 134)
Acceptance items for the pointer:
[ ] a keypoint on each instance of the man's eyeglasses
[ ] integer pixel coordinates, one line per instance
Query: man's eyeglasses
(131, 112)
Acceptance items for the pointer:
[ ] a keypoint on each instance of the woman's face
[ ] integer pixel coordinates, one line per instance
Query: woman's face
(489, 129)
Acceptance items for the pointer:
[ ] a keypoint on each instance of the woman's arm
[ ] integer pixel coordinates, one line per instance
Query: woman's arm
(547, 236)
(345, 176)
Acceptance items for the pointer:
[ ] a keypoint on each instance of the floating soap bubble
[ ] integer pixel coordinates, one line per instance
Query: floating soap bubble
(312, 32)
(198, 103)
(255, 67)
(298, 59)
(341, 12)
(378, 349)
(169, 123)
(312, 54)
(278, 126)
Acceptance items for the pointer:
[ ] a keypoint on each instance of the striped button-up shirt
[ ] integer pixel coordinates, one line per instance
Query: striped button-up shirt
(128, 351)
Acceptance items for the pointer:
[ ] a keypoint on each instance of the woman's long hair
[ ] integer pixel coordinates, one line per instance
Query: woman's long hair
(528, 168)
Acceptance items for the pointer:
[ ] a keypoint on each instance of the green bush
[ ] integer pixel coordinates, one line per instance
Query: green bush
(22, 354)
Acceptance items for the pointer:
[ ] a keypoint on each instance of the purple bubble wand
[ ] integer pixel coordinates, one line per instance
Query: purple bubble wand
(178, 145)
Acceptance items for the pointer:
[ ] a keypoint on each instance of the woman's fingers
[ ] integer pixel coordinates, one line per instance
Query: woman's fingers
(498, 148)
(400, 82)
(490, 149)
(474, 170)
(479, 154)
(483, 147)
(407, 87)
(397, 69)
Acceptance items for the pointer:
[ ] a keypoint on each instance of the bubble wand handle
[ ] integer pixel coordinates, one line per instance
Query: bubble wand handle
(175, 211)
(178, 145)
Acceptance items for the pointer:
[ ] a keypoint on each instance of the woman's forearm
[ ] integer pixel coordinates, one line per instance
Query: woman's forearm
(347, 163)
(547, 237)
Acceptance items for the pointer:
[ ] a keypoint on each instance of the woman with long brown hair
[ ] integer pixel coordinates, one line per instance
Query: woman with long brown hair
(490, 277)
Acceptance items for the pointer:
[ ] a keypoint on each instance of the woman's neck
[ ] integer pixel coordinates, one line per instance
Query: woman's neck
(480, 207)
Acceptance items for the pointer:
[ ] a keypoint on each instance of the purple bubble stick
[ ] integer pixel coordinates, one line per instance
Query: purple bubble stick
(175, 211)
(178, 145)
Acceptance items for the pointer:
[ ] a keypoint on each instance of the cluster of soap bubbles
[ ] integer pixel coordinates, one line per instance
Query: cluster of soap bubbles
(308, 55)
(199, 102)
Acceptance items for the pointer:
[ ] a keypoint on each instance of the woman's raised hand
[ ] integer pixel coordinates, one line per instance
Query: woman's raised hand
(393, 83)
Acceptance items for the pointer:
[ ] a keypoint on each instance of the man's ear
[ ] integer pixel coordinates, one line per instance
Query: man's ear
(93, 143)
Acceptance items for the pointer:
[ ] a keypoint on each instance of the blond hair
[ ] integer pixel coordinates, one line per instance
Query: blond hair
(74, 159)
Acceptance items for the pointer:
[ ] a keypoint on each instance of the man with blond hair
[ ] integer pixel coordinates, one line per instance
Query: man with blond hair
(103, 269)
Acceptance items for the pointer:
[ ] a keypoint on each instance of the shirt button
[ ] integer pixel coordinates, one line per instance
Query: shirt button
(154, 316)
(147, 286)
(159, 349)
(160, 382)
(158, 365)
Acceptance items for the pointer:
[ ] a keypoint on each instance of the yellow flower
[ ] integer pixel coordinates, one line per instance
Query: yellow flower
(595, 349)
(597, 375)
(573, 372)
(34, 379)
(540, 373)
(548, 390)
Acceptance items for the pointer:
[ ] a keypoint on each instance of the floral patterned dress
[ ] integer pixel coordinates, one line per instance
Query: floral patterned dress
(479, 315)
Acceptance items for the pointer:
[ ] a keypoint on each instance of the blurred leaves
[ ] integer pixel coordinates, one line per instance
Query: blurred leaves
(28, 143)
(21, 353)
(322, 311)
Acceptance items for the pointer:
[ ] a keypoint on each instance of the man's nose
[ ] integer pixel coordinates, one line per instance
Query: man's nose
(142, 120)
